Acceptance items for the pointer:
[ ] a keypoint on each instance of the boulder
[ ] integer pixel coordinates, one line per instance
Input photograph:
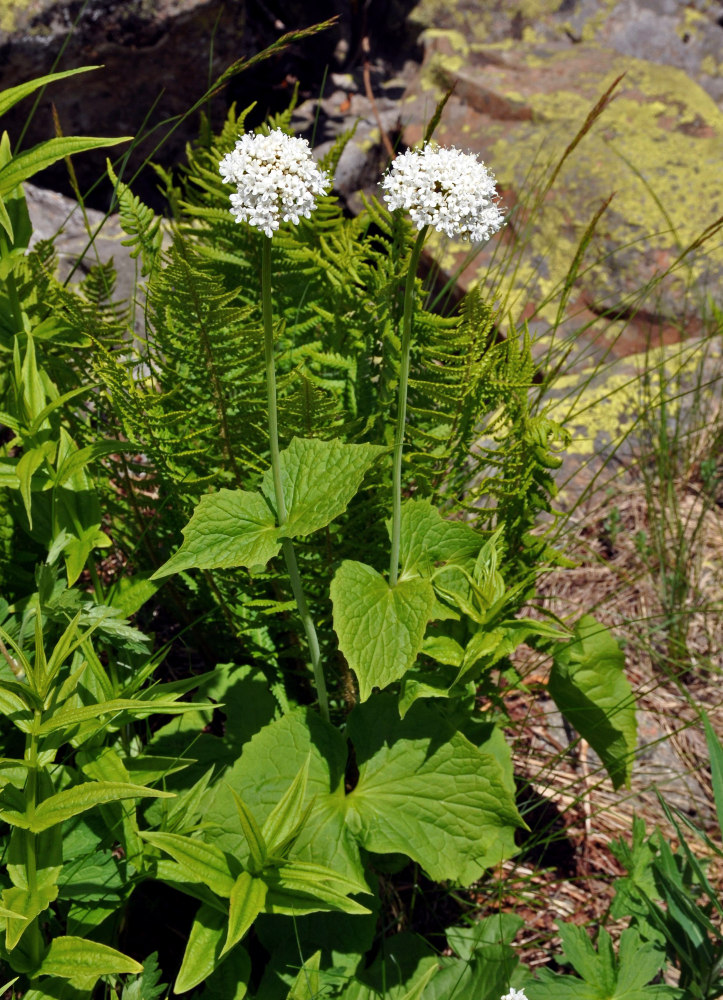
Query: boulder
(649, 165)
(158, 58)
(688, 36)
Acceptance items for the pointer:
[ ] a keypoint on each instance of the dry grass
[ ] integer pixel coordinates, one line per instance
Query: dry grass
(573, 801)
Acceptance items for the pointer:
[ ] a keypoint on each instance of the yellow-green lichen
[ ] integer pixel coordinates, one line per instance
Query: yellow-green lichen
(10, 11)
(710, 67)
(641, 150)
(608, 403)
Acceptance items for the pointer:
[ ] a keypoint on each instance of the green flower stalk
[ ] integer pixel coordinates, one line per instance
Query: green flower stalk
(277, 181)
(454, 193)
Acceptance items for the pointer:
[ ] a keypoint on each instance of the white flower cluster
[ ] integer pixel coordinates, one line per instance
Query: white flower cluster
(447, 189)
(514, 995)
(276, 180)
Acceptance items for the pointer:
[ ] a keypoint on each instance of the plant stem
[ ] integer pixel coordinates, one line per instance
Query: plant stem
(33, 940)
(281, 513)
(402, 406)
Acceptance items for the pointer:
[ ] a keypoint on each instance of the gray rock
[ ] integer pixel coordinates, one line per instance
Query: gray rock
(680, 33)
(56, 217)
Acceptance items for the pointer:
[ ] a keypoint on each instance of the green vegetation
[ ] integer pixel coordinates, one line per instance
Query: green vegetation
(222, 770)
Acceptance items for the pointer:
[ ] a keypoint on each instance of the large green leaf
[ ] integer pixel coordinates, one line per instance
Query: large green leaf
(318, 479)
(73, 801)
(380, 628)
(10, 97)
(427, 538)
(590, 689)
(82, 961)
(423, 790)
(229, 528)
(24, 165)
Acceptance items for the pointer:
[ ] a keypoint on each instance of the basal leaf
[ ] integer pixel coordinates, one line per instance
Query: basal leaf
(380, 628)
(229, 528)
(424, 790)
(319, 478)
(590, 689)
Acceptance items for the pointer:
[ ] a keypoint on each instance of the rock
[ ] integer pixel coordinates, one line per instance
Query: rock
(155, 59)
(55, 216)
(655, 151)
(688, 36)
(605, 409)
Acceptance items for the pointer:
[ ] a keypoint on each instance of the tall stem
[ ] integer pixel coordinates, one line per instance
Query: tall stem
(287, 545)
(33, 939)
(402, 406)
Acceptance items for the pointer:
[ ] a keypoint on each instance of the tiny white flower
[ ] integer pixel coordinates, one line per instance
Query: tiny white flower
(514, 995)
(276, 180)
(447, 189)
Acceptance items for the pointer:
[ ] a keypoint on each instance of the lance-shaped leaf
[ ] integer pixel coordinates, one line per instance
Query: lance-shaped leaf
(318, 479)
(252, 833)
(198, 862)
(83, 962)
(590, 689)
(138, 708)
(285, 820)
(380, 628)
(24, 165)
(73, 801)
(229, 528)
(10, 97)
(307, 984)
(248, 898)
(203, 948)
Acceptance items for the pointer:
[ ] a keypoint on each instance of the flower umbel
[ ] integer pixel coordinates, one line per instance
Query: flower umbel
(514, 995)
(276, 180)
(447, 189)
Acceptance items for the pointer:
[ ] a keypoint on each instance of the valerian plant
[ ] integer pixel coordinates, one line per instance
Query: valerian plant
(430, 784)
(293, 397)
